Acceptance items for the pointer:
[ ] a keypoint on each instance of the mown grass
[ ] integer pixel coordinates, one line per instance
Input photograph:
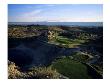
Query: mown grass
(71, 69)
(67, 42)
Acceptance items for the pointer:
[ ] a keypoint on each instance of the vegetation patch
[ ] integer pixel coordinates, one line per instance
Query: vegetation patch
(67, 42)
(71, 69)
(80, 57)
(43, 72)
(14, 72)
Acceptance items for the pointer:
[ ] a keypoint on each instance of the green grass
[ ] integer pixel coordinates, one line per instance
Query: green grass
(67, 42)
(64, 40)
(71, 69)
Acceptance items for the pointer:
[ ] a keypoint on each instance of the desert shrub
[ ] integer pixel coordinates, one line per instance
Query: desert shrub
(33, 73)
(43, 72)
(13, 71)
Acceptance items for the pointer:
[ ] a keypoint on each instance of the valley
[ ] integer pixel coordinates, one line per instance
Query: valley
(55, 52)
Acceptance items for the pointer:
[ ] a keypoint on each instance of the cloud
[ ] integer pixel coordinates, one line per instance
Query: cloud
(50, 5)
(35, 16)
(31, 14)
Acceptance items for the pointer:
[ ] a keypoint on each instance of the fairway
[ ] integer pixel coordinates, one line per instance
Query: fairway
(71, 69)
(67, 42)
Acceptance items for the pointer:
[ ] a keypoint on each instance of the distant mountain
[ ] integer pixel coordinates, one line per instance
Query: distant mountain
(60, 23)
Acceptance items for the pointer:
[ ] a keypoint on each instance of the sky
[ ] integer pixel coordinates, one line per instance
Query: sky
(55, 13)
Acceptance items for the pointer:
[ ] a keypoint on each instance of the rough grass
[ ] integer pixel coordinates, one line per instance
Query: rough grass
(80, 57)
(71, 69)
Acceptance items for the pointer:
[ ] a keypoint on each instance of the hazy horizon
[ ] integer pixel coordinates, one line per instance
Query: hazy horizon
(59, 23)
